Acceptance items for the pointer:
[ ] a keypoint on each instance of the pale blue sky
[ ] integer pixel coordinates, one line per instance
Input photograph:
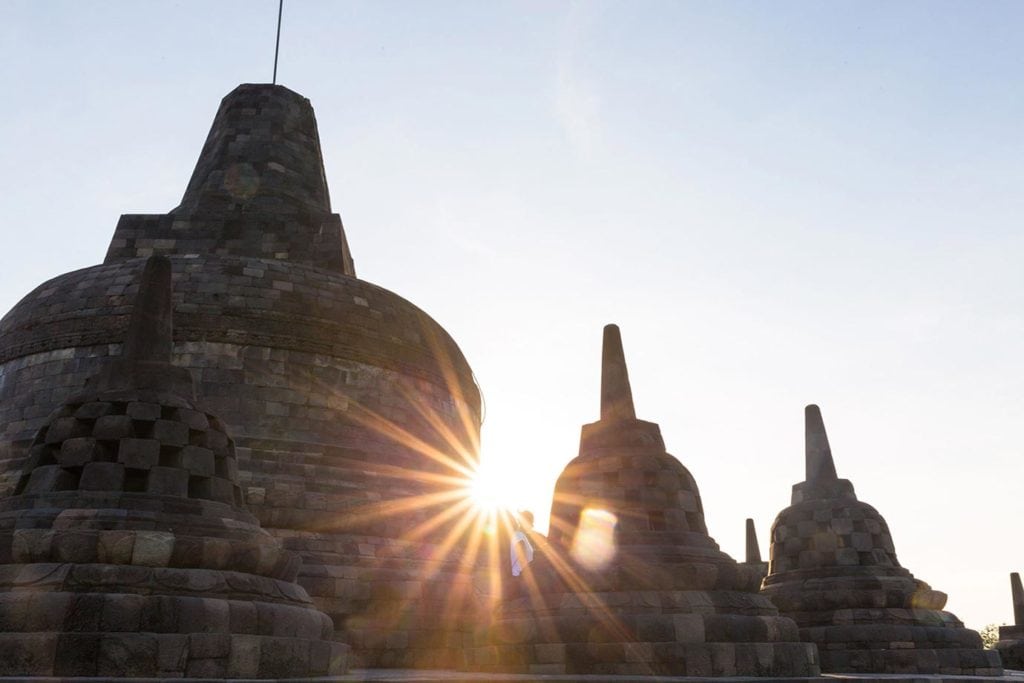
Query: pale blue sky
(779, 203)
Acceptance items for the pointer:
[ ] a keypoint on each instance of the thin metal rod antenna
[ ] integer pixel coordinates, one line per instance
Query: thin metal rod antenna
(277, 45)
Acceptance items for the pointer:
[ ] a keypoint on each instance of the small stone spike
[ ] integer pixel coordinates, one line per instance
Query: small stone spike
(753, 549)
(149, 328)
(818, 454)
(616, 395)
(1018, 599)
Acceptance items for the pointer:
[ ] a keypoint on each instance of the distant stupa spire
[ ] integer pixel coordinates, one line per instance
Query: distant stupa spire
(818, 454)
(753, 549)
(616, 395)
(1017, 592)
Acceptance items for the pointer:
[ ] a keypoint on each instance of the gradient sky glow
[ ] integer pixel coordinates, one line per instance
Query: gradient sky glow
(779, 203)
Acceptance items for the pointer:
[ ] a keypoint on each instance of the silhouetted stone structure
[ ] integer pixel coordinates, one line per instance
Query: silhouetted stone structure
(1011, 638)
(632, 583)
(833, 569)
(355, 415)
(124, 551)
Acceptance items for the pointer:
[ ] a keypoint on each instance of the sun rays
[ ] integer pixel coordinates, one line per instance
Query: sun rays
(448, 516)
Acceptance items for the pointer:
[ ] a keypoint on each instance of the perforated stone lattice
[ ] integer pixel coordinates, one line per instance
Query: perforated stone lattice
(648, 492)
(133, 446)
(822, 533)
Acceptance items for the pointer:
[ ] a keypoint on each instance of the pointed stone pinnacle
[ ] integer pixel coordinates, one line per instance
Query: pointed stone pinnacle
(818, 454)
(753, 549)
(616, 395)
(1018, 599)
(149, 328)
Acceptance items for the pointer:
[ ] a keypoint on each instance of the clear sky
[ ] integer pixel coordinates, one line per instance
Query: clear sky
(779, 203)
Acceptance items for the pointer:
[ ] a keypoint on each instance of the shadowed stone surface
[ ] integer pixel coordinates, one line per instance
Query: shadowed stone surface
(833, 569)
(120, 556)
(631, 583)
(344, 400)
(1011, 638)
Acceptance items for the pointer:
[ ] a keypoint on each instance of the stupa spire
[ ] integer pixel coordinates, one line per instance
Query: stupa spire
(1017, 592)
(145, 361)
(616, 394)
(818, 454)
(149, 328)
(753, 549)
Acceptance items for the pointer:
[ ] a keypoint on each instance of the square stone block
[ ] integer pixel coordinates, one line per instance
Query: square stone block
(115, 546)
(689, 628)
(113, 427)
(170, 432)
(51, 478)
(32, 545)
(140, 454)
(76, 654)
(102, 476)
(64, 428)
(143, 411)
(122, 612)
(77, 451)
(152, 548)
(27, 654)
(245, 656)
(93, 410)
(75, 546)
(193, 418)
(172, 654)
(209, 645)
(168, 481)
(48, 611)
(197, 460)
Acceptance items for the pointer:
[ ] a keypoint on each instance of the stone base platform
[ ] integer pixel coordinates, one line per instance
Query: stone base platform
(447, 676)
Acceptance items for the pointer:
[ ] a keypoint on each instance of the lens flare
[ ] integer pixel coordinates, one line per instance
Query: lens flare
(594, 544)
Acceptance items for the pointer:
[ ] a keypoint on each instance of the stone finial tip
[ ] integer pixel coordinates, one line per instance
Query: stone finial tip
(818, 453)
(616, 394)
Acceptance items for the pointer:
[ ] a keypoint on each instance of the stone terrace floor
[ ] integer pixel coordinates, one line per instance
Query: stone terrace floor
(441, 676)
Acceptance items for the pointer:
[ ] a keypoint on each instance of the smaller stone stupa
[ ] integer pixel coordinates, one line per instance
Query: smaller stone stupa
(833, 569)
(1011, 638)
(125, 550)
(630, 581)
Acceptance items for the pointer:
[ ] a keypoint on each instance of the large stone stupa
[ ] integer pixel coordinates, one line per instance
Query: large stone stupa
(355, 415)
(833, 569)
(632, 583)
(125, 552)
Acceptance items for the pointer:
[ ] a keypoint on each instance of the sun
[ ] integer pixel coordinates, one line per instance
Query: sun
(488, 489)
